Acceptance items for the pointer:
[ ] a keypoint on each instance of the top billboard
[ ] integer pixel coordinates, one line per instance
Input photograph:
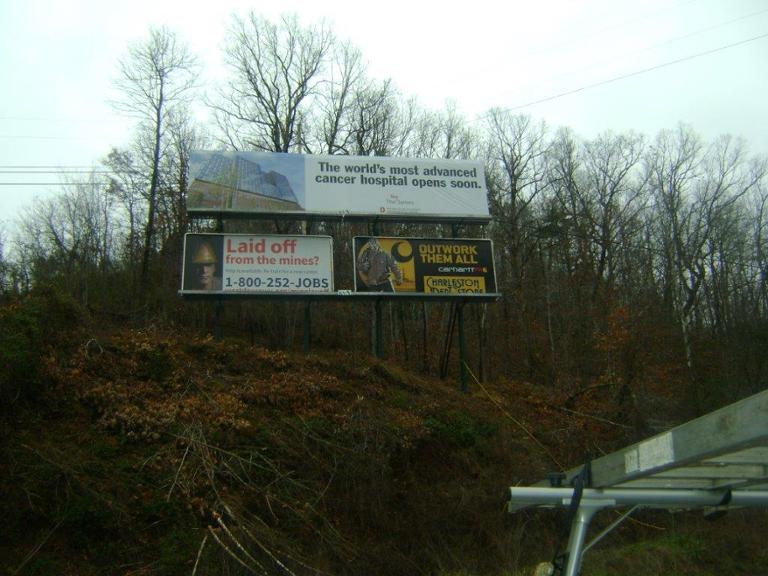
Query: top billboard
(408, 188)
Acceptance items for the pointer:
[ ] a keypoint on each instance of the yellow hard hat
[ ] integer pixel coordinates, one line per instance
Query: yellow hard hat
(205, 255)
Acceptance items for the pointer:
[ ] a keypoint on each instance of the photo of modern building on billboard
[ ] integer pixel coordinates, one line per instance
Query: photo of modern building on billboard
(232, 181)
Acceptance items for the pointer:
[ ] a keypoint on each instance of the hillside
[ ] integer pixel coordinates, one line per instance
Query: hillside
(157, 451)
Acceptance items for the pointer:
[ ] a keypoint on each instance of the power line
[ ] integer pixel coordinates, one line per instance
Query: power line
(710, 28)
(589, 35)
(46, 183)
(25, 137)
(639, 72)
(63, 172)
(43, 166)
(660, 44)
(43, 119)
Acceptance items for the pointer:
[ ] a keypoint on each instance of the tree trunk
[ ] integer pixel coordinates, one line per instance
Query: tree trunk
(149, 231)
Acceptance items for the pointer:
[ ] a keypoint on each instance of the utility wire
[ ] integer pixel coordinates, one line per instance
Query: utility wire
(47, 183)
(63, 172)
(639, 72)
(43, 119)
(661, 44)
(23, 137)
(710, 28)
(36, 166)
(590, 34)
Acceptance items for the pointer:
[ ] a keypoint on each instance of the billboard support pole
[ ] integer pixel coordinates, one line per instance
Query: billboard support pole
(218, 313)
(307, 305)
(462, 340)
(307, 327)
(378, 334)
(379, 328)
(462, 348)
(445, 357)
(218, 319)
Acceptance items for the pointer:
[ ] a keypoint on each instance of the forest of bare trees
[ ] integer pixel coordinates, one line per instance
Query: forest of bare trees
(637, 263)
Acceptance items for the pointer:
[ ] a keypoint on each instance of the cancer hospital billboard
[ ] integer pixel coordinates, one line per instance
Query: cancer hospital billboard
(243, 182)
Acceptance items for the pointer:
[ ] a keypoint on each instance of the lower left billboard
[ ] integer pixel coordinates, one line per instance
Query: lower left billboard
(221, 263)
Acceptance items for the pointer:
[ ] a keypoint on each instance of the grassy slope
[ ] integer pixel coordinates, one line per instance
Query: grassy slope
(158, 453)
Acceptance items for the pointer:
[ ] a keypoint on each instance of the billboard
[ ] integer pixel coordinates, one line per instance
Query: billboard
(222, 263)
(424, 265)
(246, 182)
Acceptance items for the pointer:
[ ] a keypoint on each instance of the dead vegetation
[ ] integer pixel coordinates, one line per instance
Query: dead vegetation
(156, 452)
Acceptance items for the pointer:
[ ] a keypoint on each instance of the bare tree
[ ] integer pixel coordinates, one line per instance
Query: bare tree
(611, 161)
(674, 165)
(156, 78)
(696, 193)
(375, 125)
(444, 134)
(128, 184)
(516, 173)
(69, 239)
(336, 101)
(563, 222)
(183, 137)
(5, 267)
(760, 247)
(276, 69)
(516, 176)
(731, 180)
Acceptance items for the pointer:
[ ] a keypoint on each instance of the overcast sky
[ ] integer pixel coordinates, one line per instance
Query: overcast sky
(592, 65)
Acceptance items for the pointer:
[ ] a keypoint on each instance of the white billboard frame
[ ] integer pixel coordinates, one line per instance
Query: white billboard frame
(303, 186)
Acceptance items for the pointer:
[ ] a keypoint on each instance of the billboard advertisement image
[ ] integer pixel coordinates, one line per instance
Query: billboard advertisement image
(246, 182)
(257, 263)
(424, 265)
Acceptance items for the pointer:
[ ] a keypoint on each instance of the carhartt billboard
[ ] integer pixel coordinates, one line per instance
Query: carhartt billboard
(424, 265)
(257, 263)
(245, 182)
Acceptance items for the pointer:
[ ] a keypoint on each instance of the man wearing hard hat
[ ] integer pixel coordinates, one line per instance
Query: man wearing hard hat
(205, 273)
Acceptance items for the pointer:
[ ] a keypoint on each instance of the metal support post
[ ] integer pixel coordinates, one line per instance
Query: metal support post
(609, 529)
(378, 331)
(308, 229)
(307, 327)
(218, 312)
(576, 540)
(218, 319)
(462, 348)
(593, 500)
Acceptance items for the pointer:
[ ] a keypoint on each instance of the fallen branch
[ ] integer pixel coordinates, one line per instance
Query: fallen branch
(592, 416)
(37, 548)
(176, 477)
(199, 554)
(513, 419)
